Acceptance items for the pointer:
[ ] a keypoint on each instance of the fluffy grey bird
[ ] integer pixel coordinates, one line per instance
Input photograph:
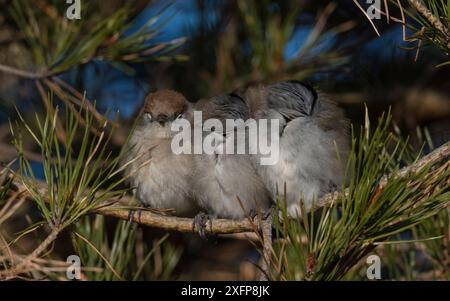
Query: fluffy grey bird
(161, 178)
(313, 142)
(227, 185)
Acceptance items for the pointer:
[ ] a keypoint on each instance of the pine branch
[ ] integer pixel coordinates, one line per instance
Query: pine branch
(22, 266)
(439, 154)
(434, 21)
(25, 74)
(227, 226)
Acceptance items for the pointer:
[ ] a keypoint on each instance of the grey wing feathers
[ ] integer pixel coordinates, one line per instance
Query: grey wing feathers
(292, 99)
(225, 106)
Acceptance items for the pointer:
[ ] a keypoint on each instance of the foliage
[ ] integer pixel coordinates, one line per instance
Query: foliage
(327, 244)
(427, 21)
(402, 222)
(78, 179)
(249, 44)
(59, 44)
(80, 164)
(81, 177)
(429, 31)
(120, 259)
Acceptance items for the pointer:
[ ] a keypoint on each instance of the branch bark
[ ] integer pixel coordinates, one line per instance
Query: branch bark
(439, 154)
(180, 224)
(266, 231)
(18, 269)
(25, 74)
(227, 226)
(434, 21)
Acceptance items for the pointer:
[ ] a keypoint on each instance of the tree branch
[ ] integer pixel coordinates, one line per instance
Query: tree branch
(434, 21)
(180, 224)
(439, 154)
(267, 250)
(25, 74)
(227, 226)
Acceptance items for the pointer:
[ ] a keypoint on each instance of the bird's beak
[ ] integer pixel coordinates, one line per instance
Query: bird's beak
(162, 119)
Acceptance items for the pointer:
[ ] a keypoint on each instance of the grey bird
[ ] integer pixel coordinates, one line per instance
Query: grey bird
(161, 179)
(313, 142)
(227, 184)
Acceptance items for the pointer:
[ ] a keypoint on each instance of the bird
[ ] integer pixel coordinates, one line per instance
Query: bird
(313, 142)
(160, 178)
(226, 183)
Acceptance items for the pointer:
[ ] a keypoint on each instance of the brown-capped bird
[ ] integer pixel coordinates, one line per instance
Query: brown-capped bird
(161, 178)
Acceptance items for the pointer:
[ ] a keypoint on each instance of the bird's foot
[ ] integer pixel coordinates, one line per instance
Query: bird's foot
(267, 212)
(200, 222)
(264, 213)
(132, 212)
(332, 187)
(253, 213)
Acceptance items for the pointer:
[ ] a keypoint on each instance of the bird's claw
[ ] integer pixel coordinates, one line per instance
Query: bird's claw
(267, 212)
(253, 213)
(131, 214)
(200, 222)
(332, 187)
(263, 214)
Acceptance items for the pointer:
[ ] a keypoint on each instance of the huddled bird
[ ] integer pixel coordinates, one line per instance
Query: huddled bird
(313, 149)
(226, 183)
(160, 178)
(313, 142)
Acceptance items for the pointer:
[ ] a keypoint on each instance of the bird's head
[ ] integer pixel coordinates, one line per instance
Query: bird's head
(163, 107)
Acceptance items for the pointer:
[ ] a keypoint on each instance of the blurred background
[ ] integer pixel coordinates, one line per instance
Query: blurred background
(120, 50)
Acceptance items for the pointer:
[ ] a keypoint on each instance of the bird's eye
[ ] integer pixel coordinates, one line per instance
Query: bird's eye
(148, 117)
